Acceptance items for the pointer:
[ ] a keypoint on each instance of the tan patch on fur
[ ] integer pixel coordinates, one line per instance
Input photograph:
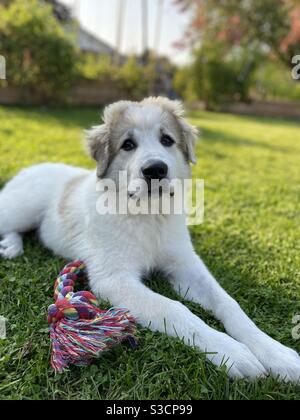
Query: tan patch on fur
(69, 189)
(173, 126)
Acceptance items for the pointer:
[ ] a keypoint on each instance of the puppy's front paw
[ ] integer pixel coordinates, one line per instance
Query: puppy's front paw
(281, 362)
(11, 246)
(240, 362)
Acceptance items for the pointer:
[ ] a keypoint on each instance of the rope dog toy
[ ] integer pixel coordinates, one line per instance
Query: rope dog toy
(79, 330)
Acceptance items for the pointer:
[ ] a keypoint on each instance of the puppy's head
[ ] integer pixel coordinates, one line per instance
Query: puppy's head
(150, 140)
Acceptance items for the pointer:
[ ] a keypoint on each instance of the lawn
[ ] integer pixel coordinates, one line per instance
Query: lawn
(250, 240)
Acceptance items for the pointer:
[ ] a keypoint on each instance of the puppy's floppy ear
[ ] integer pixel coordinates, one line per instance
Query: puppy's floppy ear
(189, 132)
(190, 135)
(99, 137)
(98, 146)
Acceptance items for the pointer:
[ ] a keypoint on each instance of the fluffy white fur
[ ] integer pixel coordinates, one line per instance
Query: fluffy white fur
(60, 201)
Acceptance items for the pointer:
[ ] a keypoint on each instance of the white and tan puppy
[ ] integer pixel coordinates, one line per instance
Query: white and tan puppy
(149, 140)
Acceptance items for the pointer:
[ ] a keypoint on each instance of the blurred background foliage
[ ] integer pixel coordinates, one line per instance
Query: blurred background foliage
(242, 50)
(40, 54)
(131, 77)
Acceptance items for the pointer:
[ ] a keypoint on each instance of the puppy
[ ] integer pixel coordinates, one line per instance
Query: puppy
(147, 140)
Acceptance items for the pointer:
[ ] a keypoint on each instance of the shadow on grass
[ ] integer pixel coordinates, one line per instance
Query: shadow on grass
(261, 120)
(218, 136)
(65, 116)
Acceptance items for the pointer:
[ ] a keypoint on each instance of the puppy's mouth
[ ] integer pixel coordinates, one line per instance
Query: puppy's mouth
(160, 192)
(152, 192)
(144, 188)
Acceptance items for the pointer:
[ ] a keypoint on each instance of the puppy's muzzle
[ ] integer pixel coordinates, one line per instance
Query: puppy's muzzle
(155, 169)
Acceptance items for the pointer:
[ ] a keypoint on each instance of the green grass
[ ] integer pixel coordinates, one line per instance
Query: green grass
(250, 240)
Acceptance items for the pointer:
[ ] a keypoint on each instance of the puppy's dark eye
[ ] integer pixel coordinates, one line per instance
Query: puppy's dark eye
(166, 140)
(128, 145)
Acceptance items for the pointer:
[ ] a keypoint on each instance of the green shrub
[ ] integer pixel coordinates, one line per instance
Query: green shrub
(132, 78)
(184, 84)
(91, 67)
(219, 78)
(273, 80)
(40, 56)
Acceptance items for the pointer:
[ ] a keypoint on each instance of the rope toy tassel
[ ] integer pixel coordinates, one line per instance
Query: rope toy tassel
(79, 330)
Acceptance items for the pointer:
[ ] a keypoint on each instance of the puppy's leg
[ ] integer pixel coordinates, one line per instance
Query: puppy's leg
(19, 208)
(11, 242)
(167, 316)
(11, 246)
(22, 203)
(192, 280)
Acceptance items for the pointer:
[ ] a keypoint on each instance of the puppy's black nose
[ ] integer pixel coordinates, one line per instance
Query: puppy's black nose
(155, 170)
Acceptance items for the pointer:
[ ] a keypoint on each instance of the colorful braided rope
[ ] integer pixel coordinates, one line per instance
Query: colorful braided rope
(79, 330)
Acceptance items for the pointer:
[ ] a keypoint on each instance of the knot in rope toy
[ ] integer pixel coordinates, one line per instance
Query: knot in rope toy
(79, 330)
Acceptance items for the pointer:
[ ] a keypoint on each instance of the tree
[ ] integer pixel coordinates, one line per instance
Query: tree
(234, 39)
(272, 29)
(40, 56)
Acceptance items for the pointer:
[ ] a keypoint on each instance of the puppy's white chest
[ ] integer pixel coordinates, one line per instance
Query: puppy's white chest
(135, 240)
